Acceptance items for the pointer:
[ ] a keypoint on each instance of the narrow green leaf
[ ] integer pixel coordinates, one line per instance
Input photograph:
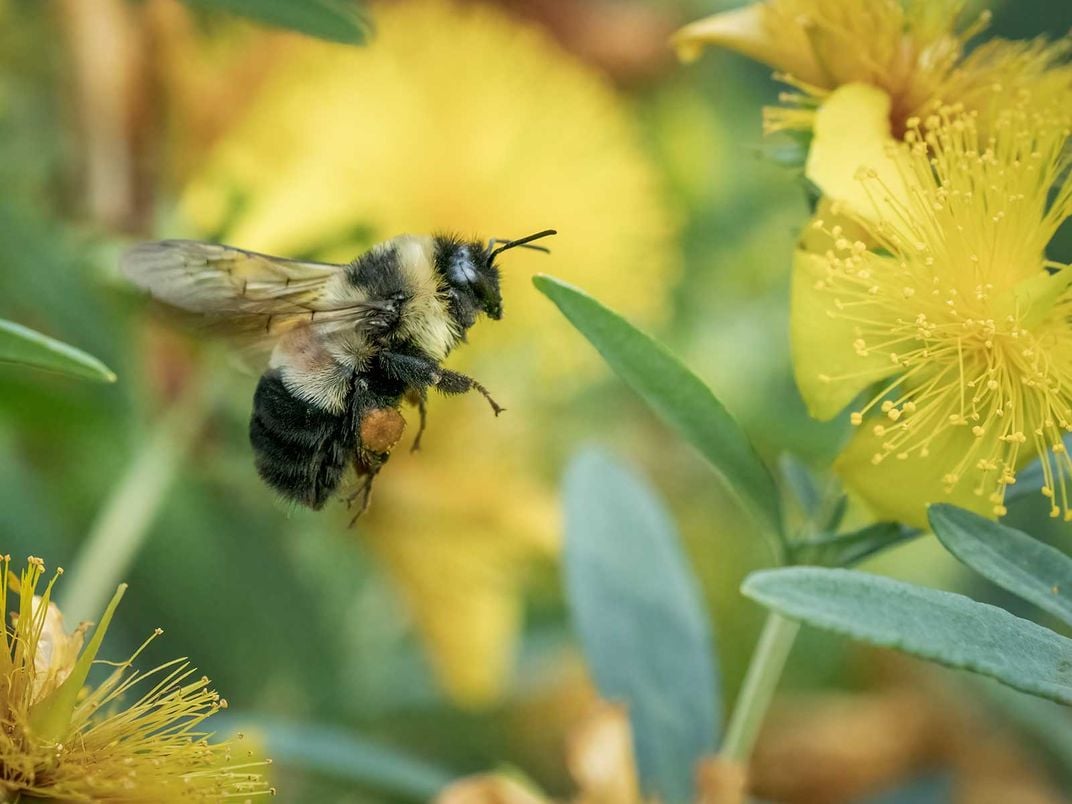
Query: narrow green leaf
(642, 624)
(846, 549)
(51, 714)
(335, 20)
(801, 483)
(1010, 558)
(940, 626)
(342, 754)
(789, 149)
(24, 346)
(675, 394)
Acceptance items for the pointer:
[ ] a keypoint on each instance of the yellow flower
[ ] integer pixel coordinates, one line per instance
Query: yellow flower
(912, 50)
(61, 739)
(944, 305)
(456, 118)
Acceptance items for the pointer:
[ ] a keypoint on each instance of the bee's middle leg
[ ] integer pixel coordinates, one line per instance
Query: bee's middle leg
(422, 372)
(453, 382)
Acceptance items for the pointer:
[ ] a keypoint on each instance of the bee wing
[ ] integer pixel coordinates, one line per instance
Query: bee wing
(243, 293)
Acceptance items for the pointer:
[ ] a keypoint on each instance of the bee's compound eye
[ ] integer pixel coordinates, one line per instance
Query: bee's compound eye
(462, 270)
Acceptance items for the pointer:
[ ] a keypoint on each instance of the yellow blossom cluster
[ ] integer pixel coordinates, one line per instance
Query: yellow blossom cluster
(947, 317)
(135, 736)
(923, 298)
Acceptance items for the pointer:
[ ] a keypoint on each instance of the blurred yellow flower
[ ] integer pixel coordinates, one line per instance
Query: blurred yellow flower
(600, 760)
(456, 118)
(61, 739)
(913, 50)
(948, 303)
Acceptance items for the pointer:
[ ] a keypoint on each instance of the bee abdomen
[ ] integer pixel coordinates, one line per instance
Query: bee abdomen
(301, 450)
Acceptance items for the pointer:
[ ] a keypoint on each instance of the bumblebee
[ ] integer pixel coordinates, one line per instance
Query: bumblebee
(348, 343)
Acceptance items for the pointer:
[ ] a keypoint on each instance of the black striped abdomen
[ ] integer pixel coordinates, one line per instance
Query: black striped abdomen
(301, 451)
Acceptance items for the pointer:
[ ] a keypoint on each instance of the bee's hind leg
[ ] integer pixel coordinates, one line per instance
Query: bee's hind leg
(364, 492)
(367, 465)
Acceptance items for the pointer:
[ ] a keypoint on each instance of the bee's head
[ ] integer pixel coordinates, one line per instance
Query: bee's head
(471, 275)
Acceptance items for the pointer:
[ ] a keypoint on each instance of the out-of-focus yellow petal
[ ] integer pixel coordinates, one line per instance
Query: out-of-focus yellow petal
(721, 781)
(829, 372)
(751, 31)
(600, 758)
(852, 134)
(900, 490)
(458, 535)
(489, 789)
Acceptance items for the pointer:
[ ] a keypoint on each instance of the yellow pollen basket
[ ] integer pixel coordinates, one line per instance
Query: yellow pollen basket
(945, 318)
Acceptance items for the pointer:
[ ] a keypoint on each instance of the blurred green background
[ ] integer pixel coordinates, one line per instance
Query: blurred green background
(431, 640)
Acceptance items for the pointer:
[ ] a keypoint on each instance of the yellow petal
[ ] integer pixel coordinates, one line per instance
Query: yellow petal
(900, 490)
(57, 651)
(830, 215)
(464, 591)
(828, 370)
(601, 758)
(1035, 297)
(489, 789)
(721, 781)
(852, 134)
(460, 560)
(753, 32)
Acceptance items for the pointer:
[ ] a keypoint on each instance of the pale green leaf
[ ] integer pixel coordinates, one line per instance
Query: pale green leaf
(341, 753)
(1008, 557)
(641, 620)
(943, 627)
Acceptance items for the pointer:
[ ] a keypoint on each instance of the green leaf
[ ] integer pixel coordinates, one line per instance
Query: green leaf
(801, 483)
(789, 150)
(335, 20)
(342, 754)
(24, 346)
(940, 626)
(1010, 558)
(846, 549)
(675, 394)
(641, 620)
(50, 716)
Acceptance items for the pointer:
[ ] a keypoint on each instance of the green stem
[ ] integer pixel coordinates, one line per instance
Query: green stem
(764, 671)
(124, 522)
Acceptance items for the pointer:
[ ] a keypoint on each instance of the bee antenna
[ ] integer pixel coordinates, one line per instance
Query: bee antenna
(522, 242)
